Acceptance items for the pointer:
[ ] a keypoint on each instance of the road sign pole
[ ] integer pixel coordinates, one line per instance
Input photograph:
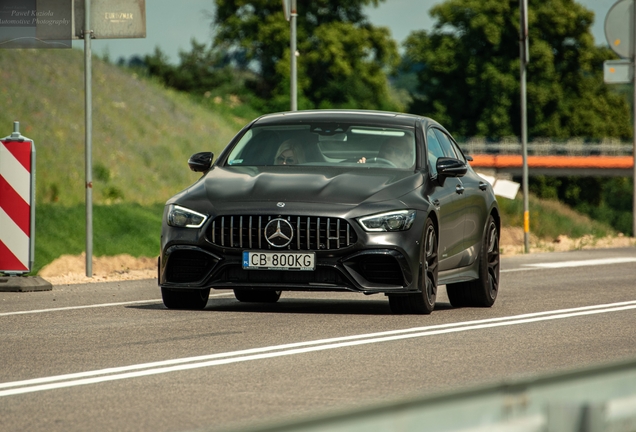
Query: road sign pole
(523, 60)
(292, 56)
(88, 137)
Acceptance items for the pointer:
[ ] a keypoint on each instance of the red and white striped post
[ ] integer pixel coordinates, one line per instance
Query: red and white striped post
(17, 209)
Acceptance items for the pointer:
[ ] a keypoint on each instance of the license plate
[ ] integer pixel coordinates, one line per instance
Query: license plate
(279, 260)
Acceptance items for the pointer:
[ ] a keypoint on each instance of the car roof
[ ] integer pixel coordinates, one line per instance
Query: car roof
(345, 116)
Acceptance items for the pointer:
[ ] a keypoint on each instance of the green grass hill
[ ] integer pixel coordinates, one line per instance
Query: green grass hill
(142, 134)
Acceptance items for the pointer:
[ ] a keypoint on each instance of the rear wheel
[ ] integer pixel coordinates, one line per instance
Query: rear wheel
(257, 296)
(481, 292)
(185, 299)
(424, 301)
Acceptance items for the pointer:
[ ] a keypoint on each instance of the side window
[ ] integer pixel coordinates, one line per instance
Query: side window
(433, 150)
(447, 146)
(460, 153)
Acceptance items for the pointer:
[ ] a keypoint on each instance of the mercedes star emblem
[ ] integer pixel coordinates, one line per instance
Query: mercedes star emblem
(279, 232)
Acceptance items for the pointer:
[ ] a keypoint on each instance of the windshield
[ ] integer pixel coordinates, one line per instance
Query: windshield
(324, 144)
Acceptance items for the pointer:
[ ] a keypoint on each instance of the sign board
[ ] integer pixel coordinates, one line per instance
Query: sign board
(619, 27)
(36, 23)
(618, 71)
(112, 19)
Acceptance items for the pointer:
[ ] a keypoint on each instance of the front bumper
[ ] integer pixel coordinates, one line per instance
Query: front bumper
(386, 262)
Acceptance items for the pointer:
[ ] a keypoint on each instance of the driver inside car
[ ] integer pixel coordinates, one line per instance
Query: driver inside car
(290, 152)
(397, 150)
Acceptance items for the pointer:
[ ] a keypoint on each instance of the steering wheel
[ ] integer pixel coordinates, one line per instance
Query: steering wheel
(382, 161)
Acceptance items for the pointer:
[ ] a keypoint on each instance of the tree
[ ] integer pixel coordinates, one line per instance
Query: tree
(343, 60)
(200, 70)
(468, 71)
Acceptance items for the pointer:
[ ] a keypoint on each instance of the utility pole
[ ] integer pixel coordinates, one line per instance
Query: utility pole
(88, 136)
(524, 59)
(292, 55)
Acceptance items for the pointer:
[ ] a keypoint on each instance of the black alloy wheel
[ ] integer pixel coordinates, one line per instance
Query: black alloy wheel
(257, 296)
(424, 301)
(185, 299)
(481, 292)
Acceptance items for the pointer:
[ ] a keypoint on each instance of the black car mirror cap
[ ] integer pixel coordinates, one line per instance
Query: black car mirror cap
(451, 167)
(201, 162)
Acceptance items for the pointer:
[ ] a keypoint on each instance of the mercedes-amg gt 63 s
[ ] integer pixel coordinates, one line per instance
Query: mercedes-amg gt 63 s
(334, 200)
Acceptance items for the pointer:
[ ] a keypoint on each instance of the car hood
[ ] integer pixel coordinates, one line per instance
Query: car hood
(303, 184)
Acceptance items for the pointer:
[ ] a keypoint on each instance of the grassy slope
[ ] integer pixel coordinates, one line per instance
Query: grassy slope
(142, 137)
(142, 134)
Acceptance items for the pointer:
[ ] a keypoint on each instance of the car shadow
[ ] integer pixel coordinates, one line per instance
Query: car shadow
(298, 306)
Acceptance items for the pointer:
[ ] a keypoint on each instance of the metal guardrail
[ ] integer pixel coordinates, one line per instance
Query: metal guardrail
(599, 399)
(549, 147)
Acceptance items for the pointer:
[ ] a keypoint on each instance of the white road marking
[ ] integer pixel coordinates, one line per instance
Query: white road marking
(101, 305)
(584, 263)
(565, 264)
(182, 364)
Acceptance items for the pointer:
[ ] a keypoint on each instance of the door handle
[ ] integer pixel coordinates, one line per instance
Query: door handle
(483, 186)
(459, 189)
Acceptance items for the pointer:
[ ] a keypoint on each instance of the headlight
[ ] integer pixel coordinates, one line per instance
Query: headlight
(393, 221)
(183, 217)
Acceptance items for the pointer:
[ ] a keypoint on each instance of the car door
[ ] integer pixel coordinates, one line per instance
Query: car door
(444, 198)
(472, 197)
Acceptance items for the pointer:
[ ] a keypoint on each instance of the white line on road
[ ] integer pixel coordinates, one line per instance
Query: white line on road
(174, 365)
(101, 305)
(565, 264)
(584, 263)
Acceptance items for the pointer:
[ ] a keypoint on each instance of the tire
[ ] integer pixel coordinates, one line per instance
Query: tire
(481, 292)
(257, 296)
(424, 301)
(185, 299)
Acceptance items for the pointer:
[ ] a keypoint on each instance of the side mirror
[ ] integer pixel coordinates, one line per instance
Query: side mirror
(450, 167)
(200, 162)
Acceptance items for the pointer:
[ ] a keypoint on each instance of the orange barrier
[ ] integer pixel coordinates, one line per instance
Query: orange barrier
(516, 161)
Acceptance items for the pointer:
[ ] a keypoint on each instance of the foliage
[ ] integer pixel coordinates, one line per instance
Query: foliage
(550, 218)
(343, 60)
(200, 70)
(468, 71)
(604, 199)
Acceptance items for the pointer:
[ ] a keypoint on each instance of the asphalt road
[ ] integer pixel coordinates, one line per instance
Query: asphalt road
(109, 356)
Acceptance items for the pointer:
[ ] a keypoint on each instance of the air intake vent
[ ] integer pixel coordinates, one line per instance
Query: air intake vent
(309, 232)
(187, 266)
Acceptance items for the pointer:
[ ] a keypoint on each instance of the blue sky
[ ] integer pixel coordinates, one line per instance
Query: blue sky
(171, 24)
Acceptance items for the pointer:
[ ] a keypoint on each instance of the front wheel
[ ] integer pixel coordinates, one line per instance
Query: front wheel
(481, 292)
(424, 301)
(185, 299)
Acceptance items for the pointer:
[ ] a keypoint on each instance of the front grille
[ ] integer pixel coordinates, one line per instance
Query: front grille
(309, 232)
(187, 266)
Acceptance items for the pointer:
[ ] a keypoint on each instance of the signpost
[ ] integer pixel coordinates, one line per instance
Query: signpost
(620, 32)
(111, 19)
(524, 55)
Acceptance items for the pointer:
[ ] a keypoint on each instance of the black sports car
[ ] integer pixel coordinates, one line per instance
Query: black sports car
(334, 200)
